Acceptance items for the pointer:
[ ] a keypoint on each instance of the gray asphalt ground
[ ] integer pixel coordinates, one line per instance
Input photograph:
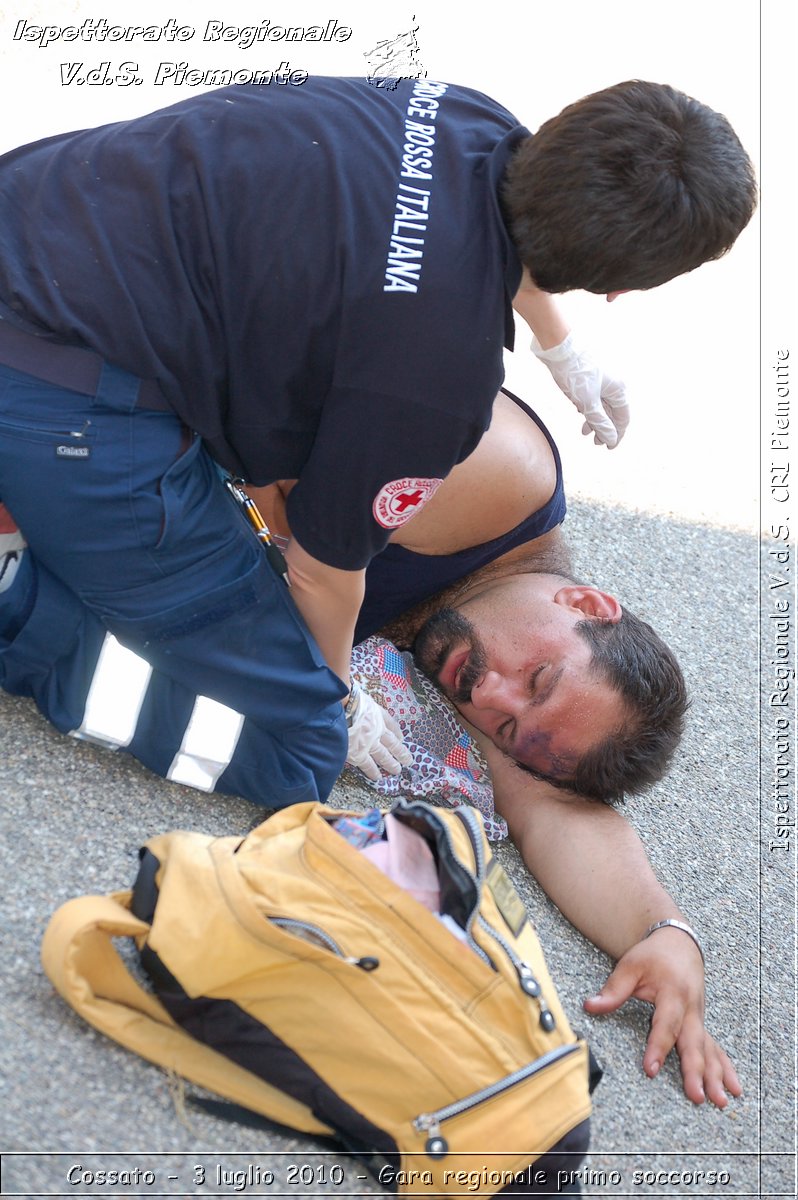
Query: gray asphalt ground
(74, 816)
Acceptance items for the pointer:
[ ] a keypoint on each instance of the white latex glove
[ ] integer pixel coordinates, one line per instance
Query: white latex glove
(598, 397)
(375, 739)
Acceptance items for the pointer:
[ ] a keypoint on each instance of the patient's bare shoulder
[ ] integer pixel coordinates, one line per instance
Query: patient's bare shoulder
(548, 554)
(509, 476)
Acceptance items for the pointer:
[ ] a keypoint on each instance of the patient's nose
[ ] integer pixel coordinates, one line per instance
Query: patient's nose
(494, 691)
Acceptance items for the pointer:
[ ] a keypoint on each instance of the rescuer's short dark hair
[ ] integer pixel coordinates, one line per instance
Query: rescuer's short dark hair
(626, 189)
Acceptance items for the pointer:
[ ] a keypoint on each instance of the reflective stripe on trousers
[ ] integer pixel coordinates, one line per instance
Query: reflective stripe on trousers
(113, 704)
(149, 547)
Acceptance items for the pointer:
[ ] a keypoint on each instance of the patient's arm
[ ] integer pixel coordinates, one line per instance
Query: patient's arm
(592, 864)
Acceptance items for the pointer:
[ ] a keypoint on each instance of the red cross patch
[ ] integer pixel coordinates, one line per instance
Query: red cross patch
(399, 500)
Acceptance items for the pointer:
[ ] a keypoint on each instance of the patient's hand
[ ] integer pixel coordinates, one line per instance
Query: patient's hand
(666, 970)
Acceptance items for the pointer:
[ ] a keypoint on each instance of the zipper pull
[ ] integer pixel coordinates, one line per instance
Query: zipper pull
(531, 986)
(547, 1020)
(367, 963)
(436, 1145)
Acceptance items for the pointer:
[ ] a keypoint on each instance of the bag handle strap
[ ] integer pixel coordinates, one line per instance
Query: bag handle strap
(83, 964)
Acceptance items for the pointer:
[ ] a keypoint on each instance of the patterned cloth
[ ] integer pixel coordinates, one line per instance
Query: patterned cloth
(447, 766)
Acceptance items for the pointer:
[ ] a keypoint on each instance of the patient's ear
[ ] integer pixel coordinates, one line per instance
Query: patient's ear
(590, 601)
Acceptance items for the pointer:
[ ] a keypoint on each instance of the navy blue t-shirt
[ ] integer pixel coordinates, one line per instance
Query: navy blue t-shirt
(397, 579)
(318, 277)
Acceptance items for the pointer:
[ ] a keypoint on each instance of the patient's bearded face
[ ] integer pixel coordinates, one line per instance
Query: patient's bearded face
(523, 675)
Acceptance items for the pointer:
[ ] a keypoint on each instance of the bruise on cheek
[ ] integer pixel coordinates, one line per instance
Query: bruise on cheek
(535, 750)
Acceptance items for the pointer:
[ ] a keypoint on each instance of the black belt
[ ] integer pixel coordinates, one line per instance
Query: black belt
(65, 366)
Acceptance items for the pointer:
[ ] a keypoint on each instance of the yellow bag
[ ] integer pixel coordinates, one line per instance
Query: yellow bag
(295, 978)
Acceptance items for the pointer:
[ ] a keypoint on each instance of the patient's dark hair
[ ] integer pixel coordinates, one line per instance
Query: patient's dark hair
(635, 661)
(626, 189)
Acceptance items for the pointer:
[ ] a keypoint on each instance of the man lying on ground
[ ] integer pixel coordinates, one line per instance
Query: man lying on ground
(487, 549)
(543, 668)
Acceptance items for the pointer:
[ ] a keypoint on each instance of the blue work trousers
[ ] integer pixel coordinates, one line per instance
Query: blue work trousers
(140, 564)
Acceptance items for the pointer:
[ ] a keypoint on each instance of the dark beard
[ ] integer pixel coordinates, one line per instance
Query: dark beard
(434, 644)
